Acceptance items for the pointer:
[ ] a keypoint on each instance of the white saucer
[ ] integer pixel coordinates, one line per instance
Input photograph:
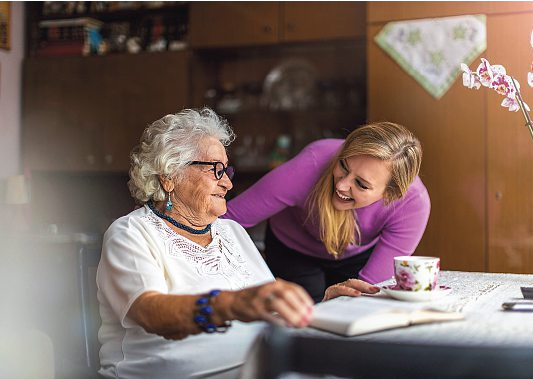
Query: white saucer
(417, 296)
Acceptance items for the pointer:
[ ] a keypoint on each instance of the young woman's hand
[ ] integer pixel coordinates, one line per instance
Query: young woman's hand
(350, 287)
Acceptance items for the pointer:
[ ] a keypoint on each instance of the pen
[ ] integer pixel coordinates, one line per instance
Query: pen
(523, 306)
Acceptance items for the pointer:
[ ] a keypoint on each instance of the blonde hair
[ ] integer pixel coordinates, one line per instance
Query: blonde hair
(166, 147)
(387, 141)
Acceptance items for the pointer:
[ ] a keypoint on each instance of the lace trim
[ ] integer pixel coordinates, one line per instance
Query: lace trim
(220, 257)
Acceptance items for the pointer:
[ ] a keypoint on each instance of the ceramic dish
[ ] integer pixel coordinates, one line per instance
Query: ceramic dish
(399, 294)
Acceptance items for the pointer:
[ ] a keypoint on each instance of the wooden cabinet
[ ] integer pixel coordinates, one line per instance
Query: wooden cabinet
(323, 20)
(224, 24)
(56, 129)
(230, 23)
(86, 114)
(478, 157)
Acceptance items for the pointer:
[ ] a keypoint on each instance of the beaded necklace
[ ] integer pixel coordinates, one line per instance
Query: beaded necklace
(177, 224)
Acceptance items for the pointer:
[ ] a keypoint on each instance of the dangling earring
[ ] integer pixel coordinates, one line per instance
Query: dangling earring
(168, 205)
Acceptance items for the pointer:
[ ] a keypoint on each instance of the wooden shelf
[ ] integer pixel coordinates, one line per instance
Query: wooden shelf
(170, 22)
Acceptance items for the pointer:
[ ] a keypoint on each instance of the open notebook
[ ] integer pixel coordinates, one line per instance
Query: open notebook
(350, 316)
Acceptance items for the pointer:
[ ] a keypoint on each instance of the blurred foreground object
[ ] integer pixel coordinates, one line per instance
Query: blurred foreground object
(17, 198)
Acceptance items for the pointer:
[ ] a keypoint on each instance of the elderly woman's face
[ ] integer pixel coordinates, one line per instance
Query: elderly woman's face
(199, 193)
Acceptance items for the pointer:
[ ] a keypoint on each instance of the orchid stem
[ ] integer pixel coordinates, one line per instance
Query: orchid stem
(524, 111)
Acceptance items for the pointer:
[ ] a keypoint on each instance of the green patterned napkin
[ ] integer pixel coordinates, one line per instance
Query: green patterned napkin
(432, 50)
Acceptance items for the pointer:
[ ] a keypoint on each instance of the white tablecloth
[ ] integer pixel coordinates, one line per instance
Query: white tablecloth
(479, 296)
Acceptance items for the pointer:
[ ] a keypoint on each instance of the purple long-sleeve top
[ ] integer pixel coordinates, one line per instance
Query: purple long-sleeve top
(280, 196)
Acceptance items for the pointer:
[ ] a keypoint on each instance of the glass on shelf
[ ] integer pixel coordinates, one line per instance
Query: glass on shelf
(281, 152)
(250, 154)
(230, 101)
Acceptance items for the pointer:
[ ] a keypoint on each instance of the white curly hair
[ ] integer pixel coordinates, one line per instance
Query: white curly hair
(167, 145)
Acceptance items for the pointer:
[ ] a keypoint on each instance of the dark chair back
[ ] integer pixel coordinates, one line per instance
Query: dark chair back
(88, 258)
(282, 352)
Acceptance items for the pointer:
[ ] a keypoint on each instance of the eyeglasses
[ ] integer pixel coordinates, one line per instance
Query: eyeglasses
(218, 169)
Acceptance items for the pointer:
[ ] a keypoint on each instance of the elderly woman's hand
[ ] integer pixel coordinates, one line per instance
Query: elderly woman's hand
(350, 287)
(290, 301)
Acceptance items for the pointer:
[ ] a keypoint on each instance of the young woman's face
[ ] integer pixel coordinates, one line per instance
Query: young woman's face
(359, 181)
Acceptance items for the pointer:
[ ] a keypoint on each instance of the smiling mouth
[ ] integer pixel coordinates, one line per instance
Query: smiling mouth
(342, 197)
(221, 196)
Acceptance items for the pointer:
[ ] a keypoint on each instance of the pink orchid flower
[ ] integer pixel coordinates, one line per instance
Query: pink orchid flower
(503, 84)
(513, 104)
(484, 72)
(495, 77)
(470, 79)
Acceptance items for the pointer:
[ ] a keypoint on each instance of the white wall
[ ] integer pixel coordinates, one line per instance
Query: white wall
(10, 94)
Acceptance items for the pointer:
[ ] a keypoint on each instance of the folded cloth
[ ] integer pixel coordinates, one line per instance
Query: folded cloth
(432, 50)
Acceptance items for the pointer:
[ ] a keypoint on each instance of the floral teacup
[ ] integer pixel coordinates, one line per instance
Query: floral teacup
(416, 273)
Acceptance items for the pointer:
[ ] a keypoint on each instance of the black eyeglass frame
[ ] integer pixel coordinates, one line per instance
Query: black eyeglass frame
(228, 170)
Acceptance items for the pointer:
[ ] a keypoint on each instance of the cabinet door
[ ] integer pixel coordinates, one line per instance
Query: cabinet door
(137, 90)
(510, 151)
(58, 114)
(323, 20)
(86, 114)
(230, 23)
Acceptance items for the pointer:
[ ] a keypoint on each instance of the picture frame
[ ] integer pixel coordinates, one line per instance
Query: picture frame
(5, 25)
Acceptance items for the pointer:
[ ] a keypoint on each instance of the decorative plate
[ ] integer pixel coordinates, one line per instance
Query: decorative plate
(291, 86)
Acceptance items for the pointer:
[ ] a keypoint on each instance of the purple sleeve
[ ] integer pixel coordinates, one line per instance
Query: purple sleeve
(286, 186)
(400, 236)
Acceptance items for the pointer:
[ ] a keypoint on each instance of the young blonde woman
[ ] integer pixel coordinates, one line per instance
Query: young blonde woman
(341, 209)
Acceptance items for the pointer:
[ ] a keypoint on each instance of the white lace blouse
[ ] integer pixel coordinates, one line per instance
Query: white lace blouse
(141, 253)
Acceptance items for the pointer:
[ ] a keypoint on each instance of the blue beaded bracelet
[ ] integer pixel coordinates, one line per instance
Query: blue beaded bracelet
(203, 312)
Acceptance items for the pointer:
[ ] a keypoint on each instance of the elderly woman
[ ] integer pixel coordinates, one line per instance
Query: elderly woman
(173, 276)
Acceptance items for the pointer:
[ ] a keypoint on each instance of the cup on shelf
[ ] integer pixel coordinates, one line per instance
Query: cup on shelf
(414, 273)
(229, 102)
